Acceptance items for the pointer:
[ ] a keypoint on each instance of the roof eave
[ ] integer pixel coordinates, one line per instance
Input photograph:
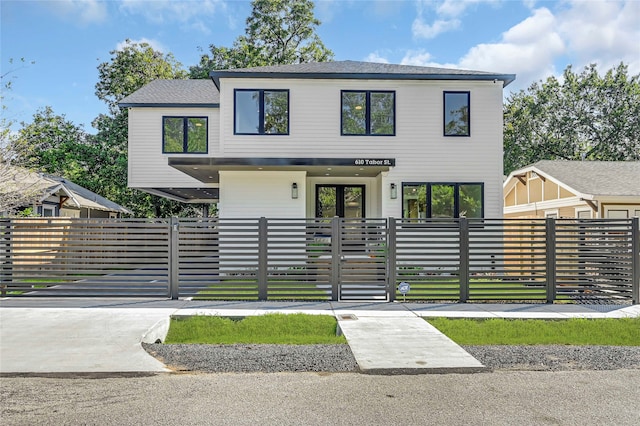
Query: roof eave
(217, 75)
(167, 105)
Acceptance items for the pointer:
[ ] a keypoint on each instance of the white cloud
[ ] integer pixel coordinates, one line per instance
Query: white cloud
(422, 30)
(457, 7)
(156, 45)
(447, 13)
(575, 32)
(192, 14)
(528, 49)
(416, 57)
(605, 33)
(82, 11)
(376, 57)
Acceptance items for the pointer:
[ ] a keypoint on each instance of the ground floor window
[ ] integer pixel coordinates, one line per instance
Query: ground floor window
(48, 211)
(442, 200)
(340, 200)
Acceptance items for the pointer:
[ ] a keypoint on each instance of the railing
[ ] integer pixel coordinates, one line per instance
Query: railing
(323, 259)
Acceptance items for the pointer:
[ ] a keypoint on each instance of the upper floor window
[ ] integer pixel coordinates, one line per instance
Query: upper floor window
(261, 112)
(442, 200)
(368, 112)
(456, 114)
(186, 135)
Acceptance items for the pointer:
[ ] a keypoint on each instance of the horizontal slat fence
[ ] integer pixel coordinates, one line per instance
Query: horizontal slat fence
(84, 257)
(594, 259)
(323, 259)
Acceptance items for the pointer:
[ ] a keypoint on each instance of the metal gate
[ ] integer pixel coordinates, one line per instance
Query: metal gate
(363, 259)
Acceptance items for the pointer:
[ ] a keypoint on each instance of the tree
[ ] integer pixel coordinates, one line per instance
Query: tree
(584, 117)
(277, 32)
(17, 189)
(130, 68)
(52, 144)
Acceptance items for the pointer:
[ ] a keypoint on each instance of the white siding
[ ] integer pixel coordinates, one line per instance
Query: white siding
(421, 151)
(148, 166)
(249, 194)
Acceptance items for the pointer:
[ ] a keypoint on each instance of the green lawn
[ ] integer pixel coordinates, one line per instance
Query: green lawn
(489, 288)
(237, 289)
(575, 331)
(289, 329)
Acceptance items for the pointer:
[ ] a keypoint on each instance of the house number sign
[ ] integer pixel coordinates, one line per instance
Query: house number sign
(373, 162)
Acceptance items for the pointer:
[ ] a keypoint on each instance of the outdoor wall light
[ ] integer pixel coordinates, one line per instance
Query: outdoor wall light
(394, 191)
(294, 190)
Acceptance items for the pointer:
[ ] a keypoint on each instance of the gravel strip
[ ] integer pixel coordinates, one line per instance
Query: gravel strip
(557, 357)
(255, 358)
(338, 358)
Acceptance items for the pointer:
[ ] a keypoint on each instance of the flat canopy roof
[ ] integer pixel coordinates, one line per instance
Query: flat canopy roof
(206, 169)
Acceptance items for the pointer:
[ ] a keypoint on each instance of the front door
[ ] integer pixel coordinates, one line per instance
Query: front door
(340, 200)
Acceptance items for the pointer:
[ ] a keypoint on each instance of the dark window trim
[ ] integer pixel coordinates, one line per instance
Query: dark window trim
(340, 200)
(368, 110)
(444, 113)
(456, 195)
(261, 112)
(185, 134)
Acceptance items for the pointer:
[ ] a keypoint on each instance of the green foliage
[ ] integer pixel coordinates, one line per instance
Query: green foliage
(277, 32)
(576, 331)
(293, 329)
(131, 68)
(128, 70)
(442, 201)
(52, 144)
(276, 112)
(584, 117)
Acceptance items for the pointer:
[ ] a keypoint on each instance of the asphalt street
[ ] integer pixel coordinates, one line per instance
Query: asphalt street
(498, 398)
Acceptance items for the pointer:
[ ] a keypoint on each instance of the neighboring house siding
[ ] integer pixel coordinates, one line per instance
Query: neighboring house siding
(550, 190)
(421, 151)
(147, 164)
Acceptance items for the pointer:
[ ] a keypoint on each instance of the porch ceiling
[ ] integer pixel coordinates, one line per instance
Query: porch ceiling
(207, 169)
(187, 195)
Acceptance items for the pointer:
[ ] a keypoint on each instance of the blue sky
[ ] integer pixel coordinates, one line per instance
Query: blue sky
(67, 39)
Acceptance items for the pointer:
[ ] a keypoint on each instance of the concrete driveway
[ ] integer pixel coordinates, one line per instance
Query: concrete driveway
(50, 340)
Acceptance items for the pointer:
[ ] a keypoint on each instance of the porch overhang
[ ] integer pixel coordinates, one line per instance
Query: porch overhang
(207, 169)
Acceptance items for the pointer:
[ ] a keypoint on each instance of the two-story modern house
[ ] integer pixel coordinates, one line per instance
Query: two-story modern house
(348, 139)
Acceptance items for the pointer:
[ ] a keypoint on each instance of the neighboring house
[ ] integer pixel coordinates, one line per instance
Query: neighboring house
(574, 189)
(349, 139)
(53, 196)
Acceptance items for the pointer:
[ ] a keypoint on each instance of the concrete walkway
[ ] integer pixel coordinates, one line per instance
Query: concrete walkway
(104, 335)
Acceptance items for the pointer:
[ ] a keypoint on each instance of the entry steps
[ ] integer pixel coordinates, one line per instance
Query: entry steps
(402, 344)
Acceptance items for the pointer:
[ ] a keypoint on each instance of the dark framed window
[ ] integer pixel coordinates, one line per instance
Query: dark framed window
(261, 112)
(368, 113)
(456, 114)
(340, 200)
(442, 200)
(185, 135)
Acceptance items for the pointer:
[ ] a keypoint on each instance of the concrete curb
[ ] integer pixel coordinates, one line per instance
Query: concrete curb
(157, 332)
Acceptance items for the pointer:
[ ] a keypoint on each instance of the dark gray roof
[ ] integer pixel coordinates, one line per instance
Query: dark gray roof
(359, 70)
(179, 93)
(614, 178)
(86, 198)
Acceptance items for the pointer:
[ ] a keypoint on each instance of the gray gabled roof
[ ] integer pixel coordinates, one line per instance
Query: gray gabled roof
(85, 198)
(358, 70)
(178, 93)
(598, 178)
(41, 186)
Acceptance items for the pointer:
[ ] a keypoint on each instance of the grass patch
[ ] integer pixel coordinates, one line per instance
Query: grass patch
(288, 329)
(574, 331)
